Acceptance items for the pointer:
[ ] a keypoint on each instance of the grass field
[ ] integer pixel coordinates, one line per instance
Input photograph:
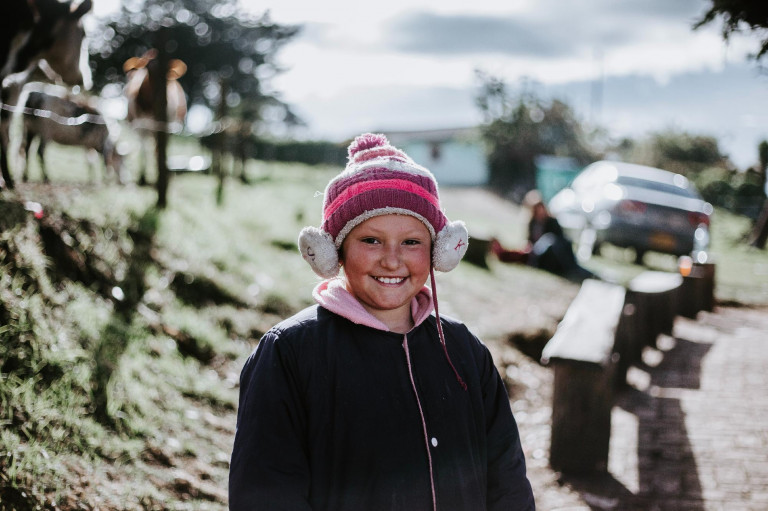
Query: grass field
(123, 328)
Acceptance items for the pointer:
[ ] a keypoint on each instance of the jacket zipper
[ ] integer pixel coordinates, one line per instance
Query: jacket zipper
(423, 422)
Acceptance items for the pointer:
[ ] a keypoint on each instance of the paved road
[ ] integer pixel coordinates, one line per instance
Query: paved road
(691, 433)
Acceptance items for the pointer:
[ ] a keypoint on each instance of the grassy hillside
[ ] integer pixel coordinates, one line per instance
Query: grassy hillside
(123, 329)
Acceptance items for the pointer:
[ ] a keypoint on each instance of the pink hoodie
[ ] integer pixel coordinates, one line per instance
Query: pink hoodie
(333, 295)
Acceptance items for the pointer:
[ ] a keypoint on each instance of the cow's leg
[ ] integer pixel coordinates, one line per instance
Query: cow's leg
(26, 145)
(5, 122)
(92, 162)
(41, 156)
(4, 166)
(113, 162)
(143, 160)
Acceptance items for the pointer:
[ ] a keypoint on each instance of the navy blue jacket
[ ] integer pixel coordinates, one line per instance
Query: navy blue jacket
(328, 419)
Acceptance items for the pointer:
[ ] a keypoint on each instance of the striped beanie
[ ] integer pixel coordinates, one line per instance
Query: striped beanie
(380, 179)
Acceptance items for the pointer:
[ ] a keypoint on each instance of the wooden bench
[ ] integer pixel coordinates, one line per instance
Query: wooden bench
(602, 334)
(582, 355)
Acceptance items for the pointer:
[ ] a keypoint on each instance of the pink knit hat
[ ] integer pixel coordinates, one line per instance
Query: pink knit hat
(379, 180)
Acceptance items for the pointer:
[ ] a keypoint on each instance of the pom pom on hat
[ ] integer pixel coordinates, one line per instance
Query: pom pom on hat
(380, 179)
(366, 141)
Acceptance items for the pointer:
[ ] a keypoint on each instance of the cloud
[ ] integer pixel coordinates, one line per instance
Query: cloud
(425, 32)
(551, 30)
(676, 11)
(377, 108)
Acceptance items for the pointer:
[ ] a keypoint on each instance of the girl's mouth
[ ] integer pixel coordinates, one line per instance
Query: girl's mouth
(390, 280)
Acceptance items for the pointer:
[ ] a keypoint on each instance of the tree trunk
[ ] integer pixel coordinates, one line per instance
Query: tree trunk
(760, 230)
(220, 140)
(160, 86)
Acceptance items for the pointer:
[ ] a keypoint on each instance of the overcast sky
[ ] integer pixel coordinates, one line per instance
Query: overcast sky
(630, 66)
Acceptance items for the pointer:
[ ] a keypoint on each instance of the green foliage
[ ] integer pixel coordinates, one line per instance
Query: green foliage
(518, 128)
(762, 150)
(217, 40)
(82, 380)
(309, 152)
(313, 152)
(739, 192)
(738, 15)
(675, 151)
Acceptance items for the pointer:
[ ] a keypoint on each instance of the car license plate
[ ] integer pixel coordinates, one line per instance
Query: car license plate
(662, 241)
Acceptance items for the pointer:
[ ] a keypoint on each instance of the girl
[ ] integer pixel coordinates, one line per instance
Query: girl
(367, 401)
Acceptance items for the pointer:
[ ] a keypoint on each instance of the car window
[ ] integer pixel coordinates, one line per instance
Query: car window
(657, 186)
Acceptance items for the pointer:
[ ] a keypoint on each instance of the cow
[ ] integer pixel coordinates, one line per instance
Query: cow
(68, 121)
(140, 93)
(31, 30)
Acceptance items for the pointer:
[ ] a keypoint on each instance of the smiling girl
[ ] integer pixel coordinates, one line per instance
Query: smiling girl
(368, 401)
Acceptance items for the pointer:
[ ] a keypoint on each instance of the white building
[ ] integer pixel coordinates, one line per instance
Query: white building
(455, 156)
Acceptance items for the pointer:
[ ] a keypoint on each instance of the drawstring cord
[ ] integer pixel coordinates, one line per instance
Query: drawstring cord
(416, 392)
(423, 422)
(440, 328)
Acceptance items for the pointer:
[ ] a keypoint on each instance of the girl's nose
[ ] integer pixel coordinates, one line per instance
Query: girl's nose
(391, 256)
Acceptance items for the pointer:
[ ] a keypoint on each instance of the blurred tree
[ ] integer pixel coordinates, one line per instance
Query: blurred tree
(217, 40)
(519, 128)
(762, 152)
(676, 151)
(759, 234)
(738, 15)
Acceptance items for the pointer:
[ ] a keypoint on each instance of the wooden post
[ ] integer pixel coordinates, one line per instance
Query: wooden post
(477, 252)
(698, 290)
(655, 296)
(629, 340)
(159, 85)
(582, 354)
(650, 307)
(583, 398)
(706, 271)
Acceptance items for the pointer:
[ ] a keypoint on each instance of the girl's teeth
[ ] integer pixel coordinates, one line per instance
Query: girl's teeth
(387, 280)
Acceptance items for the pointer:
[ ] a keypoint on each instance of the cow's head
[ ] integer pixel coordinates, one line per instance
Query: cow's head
(140, 87)
(176, 68)
(58, 37)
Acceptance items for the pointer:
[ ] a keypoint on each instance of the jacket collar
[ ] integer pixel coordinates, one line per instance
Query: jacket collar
(333, 295)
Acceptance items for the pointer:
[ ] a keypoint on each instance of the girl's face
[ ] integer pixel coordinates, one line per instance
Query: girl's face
(386, 261)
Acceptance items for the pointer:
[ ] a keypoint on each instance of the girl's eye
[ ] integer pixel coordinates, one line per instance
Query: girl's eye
(369, 240)
(412, 242)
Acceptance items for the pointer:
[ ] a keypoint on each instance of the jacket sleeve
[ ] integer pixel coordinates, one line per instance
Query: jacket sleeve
(269, 467)
(508, 485)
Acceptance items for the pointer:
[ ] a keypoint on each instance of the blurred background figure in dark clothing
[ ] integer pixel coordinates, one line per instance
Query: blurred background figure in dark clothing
(547, 247)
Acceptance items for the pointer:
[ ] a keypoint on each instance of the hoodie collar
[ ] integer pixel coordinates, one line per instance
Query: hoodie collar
(333, 295)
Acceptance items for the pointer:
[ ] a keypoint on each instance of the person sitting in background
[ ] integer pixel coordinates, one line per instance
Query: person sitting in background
(547, 246)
